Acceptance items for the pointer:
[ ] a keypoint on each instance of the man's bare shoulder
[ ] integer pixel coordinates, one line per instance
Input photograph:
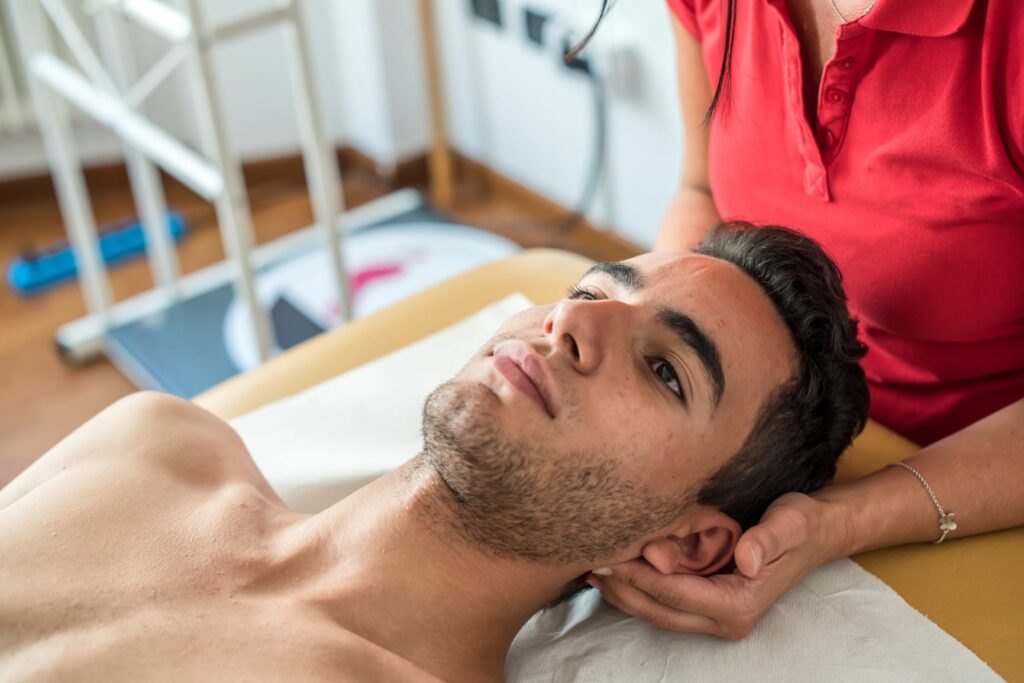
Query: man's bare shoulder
(144, 547)
(149, 434)
(158, 429)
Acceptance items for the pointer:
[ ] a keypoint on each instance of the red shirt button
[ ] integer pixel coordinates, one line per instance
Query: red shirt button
(836, 96)
(826, 138)
(846, 63)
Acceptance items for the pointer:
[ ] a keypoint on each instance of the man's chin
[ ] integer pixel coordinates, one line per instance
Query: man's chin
(513, 498)
(460, 407)
(464, 437)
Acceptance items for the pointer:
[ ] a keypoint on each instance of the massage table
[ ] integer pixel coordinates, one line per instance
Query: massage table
(971, 588)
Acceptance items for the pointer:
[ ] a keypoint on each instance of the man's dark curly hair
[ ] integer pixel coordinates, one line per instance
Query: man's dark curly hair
(806, 424)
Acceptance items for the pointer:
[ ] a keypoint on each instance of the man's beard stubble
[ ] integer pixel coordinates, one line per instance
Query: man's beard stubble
(518, 502)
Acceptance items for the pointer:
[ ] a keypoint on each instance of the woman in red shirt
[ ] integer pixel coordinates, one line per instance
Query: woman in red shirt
(891, 132)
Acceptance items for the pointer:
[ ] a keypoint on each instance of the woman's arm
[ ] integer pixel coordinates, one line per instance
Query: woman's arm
(690, 214)
(692, 211)
(978, 473)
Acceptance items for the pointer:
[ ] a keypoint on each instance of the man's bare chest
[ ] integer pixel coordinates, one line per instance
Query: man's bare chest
(75, 537)
(163, 579)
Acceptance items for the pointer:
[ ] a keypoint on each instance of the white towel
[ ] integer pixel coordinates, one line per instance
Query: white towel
(839, 624)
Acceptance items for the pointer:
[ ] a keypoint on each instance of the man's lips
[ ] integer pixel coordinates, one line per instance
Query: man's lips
(517, 362)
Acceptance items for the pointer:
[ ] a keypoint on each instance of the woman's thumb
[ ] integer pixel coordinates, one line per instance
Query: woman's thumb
(779, 531)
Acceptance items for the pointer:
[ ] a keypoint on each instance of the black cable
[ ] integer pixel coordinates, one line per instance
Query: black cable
(566, 225)
(600, 118)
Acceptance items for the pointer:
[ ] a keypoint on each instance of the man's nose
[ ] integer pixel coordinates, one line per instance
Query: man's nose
(587, 331)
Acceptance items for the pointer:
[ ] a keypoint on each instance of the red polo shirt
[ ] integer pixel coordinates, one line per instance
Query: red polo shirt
(912, 181)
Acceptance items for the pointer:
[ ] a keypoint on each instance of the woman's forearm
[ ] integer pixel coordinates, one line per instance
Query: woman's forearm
(977, 473)
(690, 214)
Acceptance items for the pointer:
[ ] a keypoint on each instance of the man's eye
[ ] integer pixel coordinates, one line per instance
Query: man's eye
(667, 374)
(582, 293)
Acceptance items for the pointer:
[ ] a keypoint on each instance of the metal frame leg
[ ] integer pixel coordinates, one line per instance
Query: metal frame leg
(318, 156)
(147, 189)
(232, 207)
(68, 179)
(114, 103)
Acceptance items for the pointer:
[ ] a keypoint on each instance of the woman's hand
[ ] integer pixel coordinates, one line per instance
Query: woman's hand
(796, 535)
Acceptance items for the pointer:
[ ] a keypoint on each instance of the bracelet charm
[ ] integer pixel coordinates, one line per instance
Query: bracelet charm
(947, 520)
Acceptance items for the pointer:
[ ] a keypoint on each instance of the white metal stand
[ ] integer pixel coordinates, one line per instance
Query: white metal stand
(113, 99)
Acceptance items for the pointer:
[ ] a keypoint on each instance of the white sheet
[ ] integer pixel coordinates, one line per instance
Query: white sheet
(320, 445)
(840, 624)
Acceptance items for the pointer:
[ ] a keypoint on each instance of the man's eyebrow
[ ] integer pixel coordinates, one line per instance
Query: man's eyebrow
(626, 275)
(682, 326)
(690, 334)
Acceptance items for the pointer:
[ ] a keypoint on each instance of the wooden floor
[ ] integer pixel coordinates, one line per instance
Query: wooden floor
(42, 399)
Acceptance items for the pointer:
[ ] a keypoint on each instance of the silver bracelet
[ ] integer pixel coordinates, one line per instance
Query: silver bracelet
(947, 520)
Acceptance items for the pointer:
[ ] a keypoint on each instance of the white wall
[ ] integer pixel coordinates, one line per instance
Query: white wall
(515, 108)
(252, 75)
(21, 154)
(508, 104)
(401, 45)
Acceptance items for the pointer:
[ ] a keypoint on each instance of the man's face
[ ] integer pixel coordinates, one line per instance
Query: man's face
(583, 428)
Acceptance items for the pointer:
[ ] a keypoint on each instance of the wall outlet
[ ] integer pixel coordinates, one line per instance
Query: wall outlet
(541, 26)
(487, 10)
(535, 23)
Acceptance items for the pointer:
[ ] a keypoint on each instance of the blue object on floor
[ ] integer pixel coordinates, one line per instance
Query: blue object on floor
(49, 266)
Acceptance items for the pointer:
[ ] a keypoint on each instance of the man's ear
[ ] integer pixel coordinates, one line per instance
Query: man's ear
(702, 546)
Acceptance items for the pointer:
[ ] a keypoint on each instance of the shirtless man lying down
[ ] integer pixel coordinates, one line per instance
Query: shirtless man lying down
(652, 414)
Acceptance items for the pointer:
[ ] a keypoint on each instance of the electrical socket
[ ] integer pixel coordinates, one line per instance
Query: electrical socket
(539, 27)
(488, 10)
(616, 60)
(618, 63)
(535, 22)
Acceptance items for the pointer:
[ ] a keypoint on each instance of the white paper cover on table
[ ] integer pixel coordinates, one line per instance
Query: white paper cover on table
(318, 446)
(840, 624)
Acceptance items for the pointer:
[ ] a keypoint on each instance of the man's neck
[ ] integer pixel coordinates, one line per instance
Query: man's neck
(390, 565)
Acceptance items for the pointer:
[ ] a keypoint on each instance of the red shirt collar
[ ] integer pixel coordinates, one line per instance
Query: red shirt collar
(932, 19)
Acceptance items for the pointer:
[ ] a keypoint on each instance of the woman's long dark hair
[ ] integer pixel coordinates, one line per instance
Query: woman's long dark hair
(723, 74)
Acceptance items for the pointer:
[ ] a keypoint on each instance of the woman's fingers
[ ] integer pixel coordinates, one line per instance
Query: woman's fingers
(683, 592)
(718, 605)
(770, 559)
(635, 602)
